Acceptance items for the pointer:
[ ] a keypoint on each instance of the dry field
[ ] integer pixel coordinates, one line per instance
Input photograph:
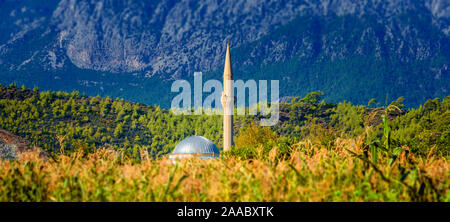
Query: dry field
(311, 173)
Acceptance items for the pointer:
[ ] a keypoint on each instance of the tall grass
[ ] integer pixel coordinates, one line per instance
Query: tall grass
(312, 172)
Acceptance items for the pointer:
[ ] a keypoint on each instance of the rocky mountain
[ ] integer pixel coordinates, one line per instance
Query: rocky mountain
(350, 49)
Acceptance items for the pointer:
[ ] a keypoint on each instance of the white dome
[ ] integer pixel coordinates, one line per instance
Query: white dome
(198, 146)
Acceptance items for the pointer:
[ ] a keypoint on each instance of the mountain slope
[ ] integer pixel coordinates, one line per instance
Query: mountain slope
(352, 50)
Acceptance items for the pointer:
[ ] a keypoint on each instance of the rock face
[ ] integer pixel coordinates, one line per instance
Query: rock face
(173, 36)
(172, 39)
(11, 145)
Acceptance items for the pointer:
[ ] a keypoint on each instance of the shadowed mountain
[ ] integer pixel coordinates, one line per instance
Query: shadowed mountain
(351, 50)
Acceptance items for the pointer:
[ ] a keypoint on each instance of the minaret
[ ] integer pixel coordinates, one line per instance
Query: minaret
(227, 102)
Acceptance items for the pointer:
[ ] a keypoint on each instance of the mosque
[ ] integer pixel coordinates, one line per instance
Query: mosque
(201, 147)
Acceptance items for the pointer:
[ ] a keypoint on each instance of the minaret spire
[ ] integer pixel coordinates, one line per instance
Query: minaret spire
(227, 72)
(227, 102)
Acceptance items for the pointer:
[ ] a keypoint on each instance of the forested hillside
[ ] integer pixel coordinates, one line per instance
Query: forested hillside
(64, 122)
(60, 120)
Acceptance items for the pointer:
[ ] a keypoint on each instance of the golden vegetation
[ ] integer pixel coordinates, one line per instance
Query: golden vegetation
(312, 172)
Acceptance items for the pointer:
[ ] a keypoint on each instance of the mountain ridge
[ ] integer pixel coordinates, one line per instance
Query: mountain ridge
(66, 42)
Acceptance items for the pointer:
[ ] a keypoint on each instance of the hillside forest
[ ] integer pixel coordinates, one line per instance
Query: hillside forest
(399, 154)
